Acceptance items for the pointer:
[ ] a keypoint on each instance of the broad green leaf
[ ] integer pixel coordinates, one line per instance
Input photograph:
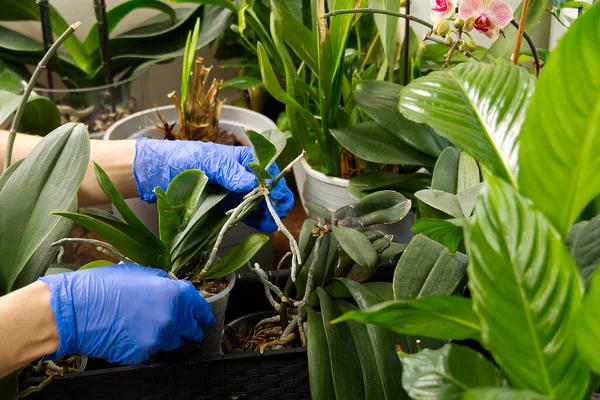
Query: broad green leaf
(445, 173)
(371, 142)
(55, 269)
(185, 192)
(387, 27)
(379, 100)
(439, 317)
(322, 266)
(11, 76)
(587, 323)
(242, 83)
(585, 249)
(123, 243)
(228, 4)
(468, 173)
(117, 200)
(46, 180)
(319, 367)
(445, 232)
(440, 200)
(168, 218)
(392, 252)
(383, 342)
(414, 266)
(383, 207)
(267, 146)
(564, 180)
(116, 14)
(96, 264)
(360, 337)
(305, 236)
(504, 46)
(364, 184)
(445, 276)
(8, 173)
(467, 199)
(238, 256)
(319, 211)
(258, 171)
(356, 245)
(345, 363)
(502, 393)
(478, 107)
(518, 262)
(40, 260)
(40, 116)
(447, 373)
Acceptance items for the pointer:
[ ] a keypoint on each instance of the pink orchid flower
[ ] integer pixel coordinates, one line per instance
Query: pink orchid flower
(487, 16)
(441, 9)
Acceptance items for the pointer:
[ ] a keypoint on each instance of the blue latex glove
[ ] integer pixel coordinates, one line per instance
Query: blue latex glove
(124, 313)
(157, 162)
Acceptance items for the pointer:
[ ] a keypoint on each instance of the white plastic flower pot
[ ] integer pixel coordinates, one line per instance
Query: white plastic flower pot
(213, 335)
(233, 119)
(331, 193)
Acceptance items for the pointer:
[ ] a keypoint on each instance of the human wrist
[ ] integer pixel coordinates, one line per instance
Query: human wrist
(61, 309)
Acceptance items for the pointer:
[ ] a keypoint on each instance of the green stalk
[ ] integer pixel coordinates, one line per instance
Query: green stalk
(12, 135)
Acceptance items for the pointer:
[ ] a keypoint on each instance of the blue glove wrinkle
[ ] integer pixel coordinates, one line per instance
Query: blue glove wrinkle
(124, 313)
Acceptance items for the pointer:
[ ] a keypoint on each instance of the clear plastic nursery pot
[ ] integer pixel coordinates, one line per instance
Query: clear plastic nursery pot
(330, 192)
(233, 119)
(98, 107)
(213, 335)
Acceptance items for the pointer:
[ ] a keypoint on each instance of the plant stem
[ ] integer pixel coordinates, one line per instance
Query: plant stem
(101, 246)
(375, 11)
(406, 44)
(525, 8)
(436, 40)
(32, 82)
(368, 54)
(536, 57)
(453, 48)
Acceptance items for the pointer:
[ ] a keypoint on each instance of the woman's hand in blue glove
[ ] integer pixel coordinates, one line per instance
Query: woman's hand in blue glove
(157, 162)
(124, 313)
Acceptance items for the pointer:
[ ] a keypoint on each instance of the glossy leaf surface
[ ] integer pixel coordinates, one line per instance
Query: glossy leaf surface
(478, 107)
(585, 248)
(238, 256)
(560, 141)
(383, 207)
(439, 317)
(447, 373)
(587, 332)
(518, 262)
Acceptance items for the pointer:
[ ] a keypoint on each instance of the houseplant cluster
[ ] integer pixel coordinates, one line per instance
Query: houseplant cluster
(450, 242)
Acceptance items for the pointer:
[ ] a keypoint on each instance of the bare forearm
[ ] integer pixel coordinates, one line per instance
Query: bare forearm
(27, 327)
(115, 157)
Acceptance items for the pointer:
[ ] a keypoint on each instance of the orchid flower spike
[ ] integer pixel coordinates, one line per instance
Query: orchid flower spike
(486, 16)
(441, 9)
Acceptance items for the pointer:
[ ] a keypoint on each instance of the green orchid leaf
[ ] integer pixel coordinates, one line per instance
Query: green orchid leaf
(445, 232)
(383, 341)
(360, 337)
(343, 357)
(123, 243)
(564, 180)
(168, 218)
(518, 262)
(440, 200)
(456, 103)
(266, 146)
(502, 393)
(468, 198)
(469, 175)
(383, 207)
(305, 236)
(319, 211)
(238, 256)
(447, 373)
(227, 4)
(587, 323)
(242, 83)
(445, 173)
(258, 171)
(319, 363)
(446, 274)
(55, 269)
(392, 252)
(47, 180)
(438, 317)
(40, 116)
(364, 184)
(96, 264)
(371, 142)
(117, 200)
(185, 192)
(357, 246)
(585, 248)
(379, 100)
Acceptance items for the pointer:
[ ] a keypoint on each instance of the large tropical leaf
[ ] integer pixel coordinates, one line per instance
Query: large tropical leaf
(518, 262)
(439, 317)
(47, 180)
(560, 141)
(447, 373)
(587, 326)
(585, 247)
(502, 393)
(478, 107)
(379, 100)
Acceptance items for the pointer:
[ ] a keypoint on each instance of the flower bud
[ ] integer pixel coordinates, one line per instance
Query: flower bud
(462, 47)
(459, 23)
(448, 41)
(441, 27)
(471, 45)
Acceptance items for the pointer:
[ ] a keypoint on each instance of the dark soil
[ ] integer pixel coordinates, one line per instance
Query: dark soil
(97, 119)
(211, 288)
